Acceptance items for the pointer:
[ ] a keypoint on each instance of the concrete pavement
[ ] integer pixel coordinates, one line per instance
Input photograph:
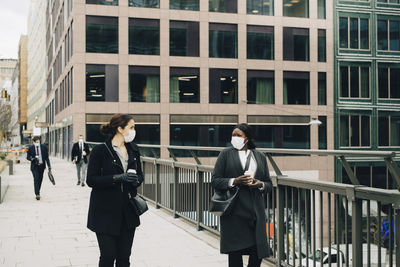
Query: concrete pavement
(52, 232)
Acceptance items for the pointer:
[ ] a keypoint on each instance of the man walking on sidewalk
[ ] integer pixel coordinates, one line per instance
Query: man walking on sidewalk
(38, 155)
(80, 152)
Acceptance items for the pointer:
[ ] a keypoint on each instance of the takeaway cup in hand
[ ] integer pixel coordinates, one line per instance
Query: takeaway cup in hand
(251, 175)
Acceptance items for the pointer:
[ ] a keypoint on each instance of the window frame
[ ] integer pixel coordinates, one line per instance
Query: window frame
(359, 66)
(359, 17)
(388, 20)
(359, 115)
(388, 115)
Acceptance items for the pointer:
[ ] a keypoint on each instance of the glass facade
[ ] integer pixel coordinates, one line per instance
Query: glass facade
(296, 88)
(184, 85)
(321, 88)
(353, 33)
(183, 38)
(297, 8)
(103, 2)
(260, 7)
(227, 6)
(354, 81)
(389, 82)
(389, 129)
(144, 36)
(355, 131)
(223, 86)
(282, 136)
(296, 44)
(184, 4)
(223, 40)
(145, 3)
(321, 45)
(144, 84)
(102, 83)
(389, 35)
(101, 34)
(260, 87)
(260, 42)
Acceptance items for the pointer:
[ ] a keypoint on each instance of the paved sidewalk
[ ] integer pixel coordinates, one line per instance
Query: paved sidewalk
(52, 232)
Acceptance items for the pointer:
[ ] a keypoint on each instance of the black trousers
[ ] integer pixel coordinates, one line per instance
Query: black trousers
(235, 258)
(37, 172)
(116, 248)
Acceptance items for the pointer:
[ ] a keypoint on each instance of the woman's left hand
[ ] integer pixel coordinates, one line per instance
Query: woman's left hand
(256, 183)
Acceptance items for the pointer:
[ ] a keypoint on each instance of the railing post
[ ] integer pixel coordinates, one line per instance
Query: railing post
(175, 192)
(356, 229)
(280, 198)
(397, 233)
(157, 189)
(199, 198)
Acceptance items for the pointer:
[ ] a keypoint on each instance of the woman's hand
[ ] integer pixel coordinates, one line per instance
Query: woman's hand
(243, 180)
(256, 183)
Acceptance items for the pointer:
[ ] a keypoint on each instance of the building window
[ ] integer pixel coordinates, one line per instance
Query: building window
(223, 40)
(102, 83)
(389, 1)
(184, 4)
(298, 8)
(227, 6)
(260, 87)
(322, 133)
(144, 36)
(223, 86)
(353, 33)
(389, 35)
(101, 34)
(145, 3)
(282, 136)
(103, 2)
(260, 42)
(389, 129)
(322, 45)
(354, 82)
(321, 88)
(144, 84)
(260, 7)
(322, 9)
(296, 44)
(354, 131)
(296, 88)
(389, 82)
(184, 85)
(184, 38)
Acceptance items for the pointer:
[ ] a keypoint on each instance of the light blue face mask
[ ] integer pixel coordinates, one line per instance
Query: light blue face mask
(129, 138)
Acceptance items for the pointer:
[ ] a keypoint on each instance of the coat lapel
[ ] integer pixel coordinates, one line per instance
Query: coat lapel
(236, 161)
(115, 159)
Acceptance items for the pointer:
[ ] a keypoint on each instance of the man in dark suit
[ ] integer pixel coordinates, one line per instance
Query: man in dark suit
(38, 155)
(79, 154)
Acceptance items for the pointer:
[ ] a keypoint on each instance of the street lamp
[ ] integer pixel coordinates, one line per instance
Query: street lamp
(315, 121)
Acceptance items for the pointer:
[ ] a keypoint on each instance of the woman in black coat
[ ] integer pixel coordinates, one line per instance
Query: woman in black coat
(114, 173)
(243, 230)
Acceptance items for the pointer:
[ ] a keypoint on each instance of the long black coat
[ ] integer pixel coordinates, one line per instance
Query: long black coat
(76, 155)
(109, 203)
(246, 225)
(31, 154)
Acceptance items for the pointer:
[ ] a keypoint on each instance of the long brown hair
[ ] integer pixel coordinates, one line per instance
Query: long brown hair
(118, 120)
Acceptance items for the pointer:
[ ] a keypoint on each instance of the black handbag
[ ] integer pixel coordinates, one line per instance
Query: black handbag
(51, 177)
(222, 202)
(139, 204)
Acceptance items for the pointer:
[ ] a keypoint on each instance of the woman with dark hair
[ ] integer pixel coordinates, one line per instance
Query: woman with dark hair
(114, 173)
(243, 230)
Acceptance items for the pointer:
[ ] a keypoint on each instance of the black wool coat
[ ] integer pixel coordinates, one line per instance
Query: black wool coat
(109, 203)
(76, 155)
(245, 226)
(31, 154)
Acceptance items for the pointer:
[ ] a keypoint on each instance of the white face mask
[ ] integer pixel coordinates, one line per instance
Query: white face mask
(237, 142)
(80, 140)
(129, 138)
(36, 144)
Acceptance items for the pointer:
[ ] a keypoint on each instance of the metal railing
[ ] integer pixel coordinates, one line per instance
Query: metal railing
(308, 222)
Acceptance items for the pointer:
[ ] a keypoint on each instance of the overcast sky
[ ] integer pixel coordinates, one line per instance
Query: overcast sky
(13, 23)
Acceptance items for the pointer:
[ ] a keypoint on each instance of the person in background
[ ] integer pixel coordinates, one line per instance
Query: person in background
(243, 231)
(38, 155)
(114, 174)
(79, 157)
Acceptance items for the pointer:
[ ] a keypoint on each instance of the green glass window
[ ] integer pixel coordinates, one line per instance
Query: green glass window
(389, 82)
(184, 38)
(184, 85)
(383, 82)
(184, 4)
(394, 35)
(355, 131)
(260, 7)
(282, 136)
(353, 33)
(260, 42)
(322, 9)
(389, 35)
(296, 44)
(260, 87)
(144, 36)
(144, 84)
(223, 86)
(102, 83)
(101, 34)
(227, 6)
(322, 133)
(298, 8)
(322, 45)
(145, 3)
(382, 35)
(296, 88)
(321, 88)
(103, 2)
(223, 40)
(355, 81)
(343, 33)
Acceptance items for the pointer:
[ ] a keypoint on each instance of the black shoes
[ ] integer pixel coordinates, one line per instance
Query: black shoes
(83, 184)
(78, 183)
(37, 197)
